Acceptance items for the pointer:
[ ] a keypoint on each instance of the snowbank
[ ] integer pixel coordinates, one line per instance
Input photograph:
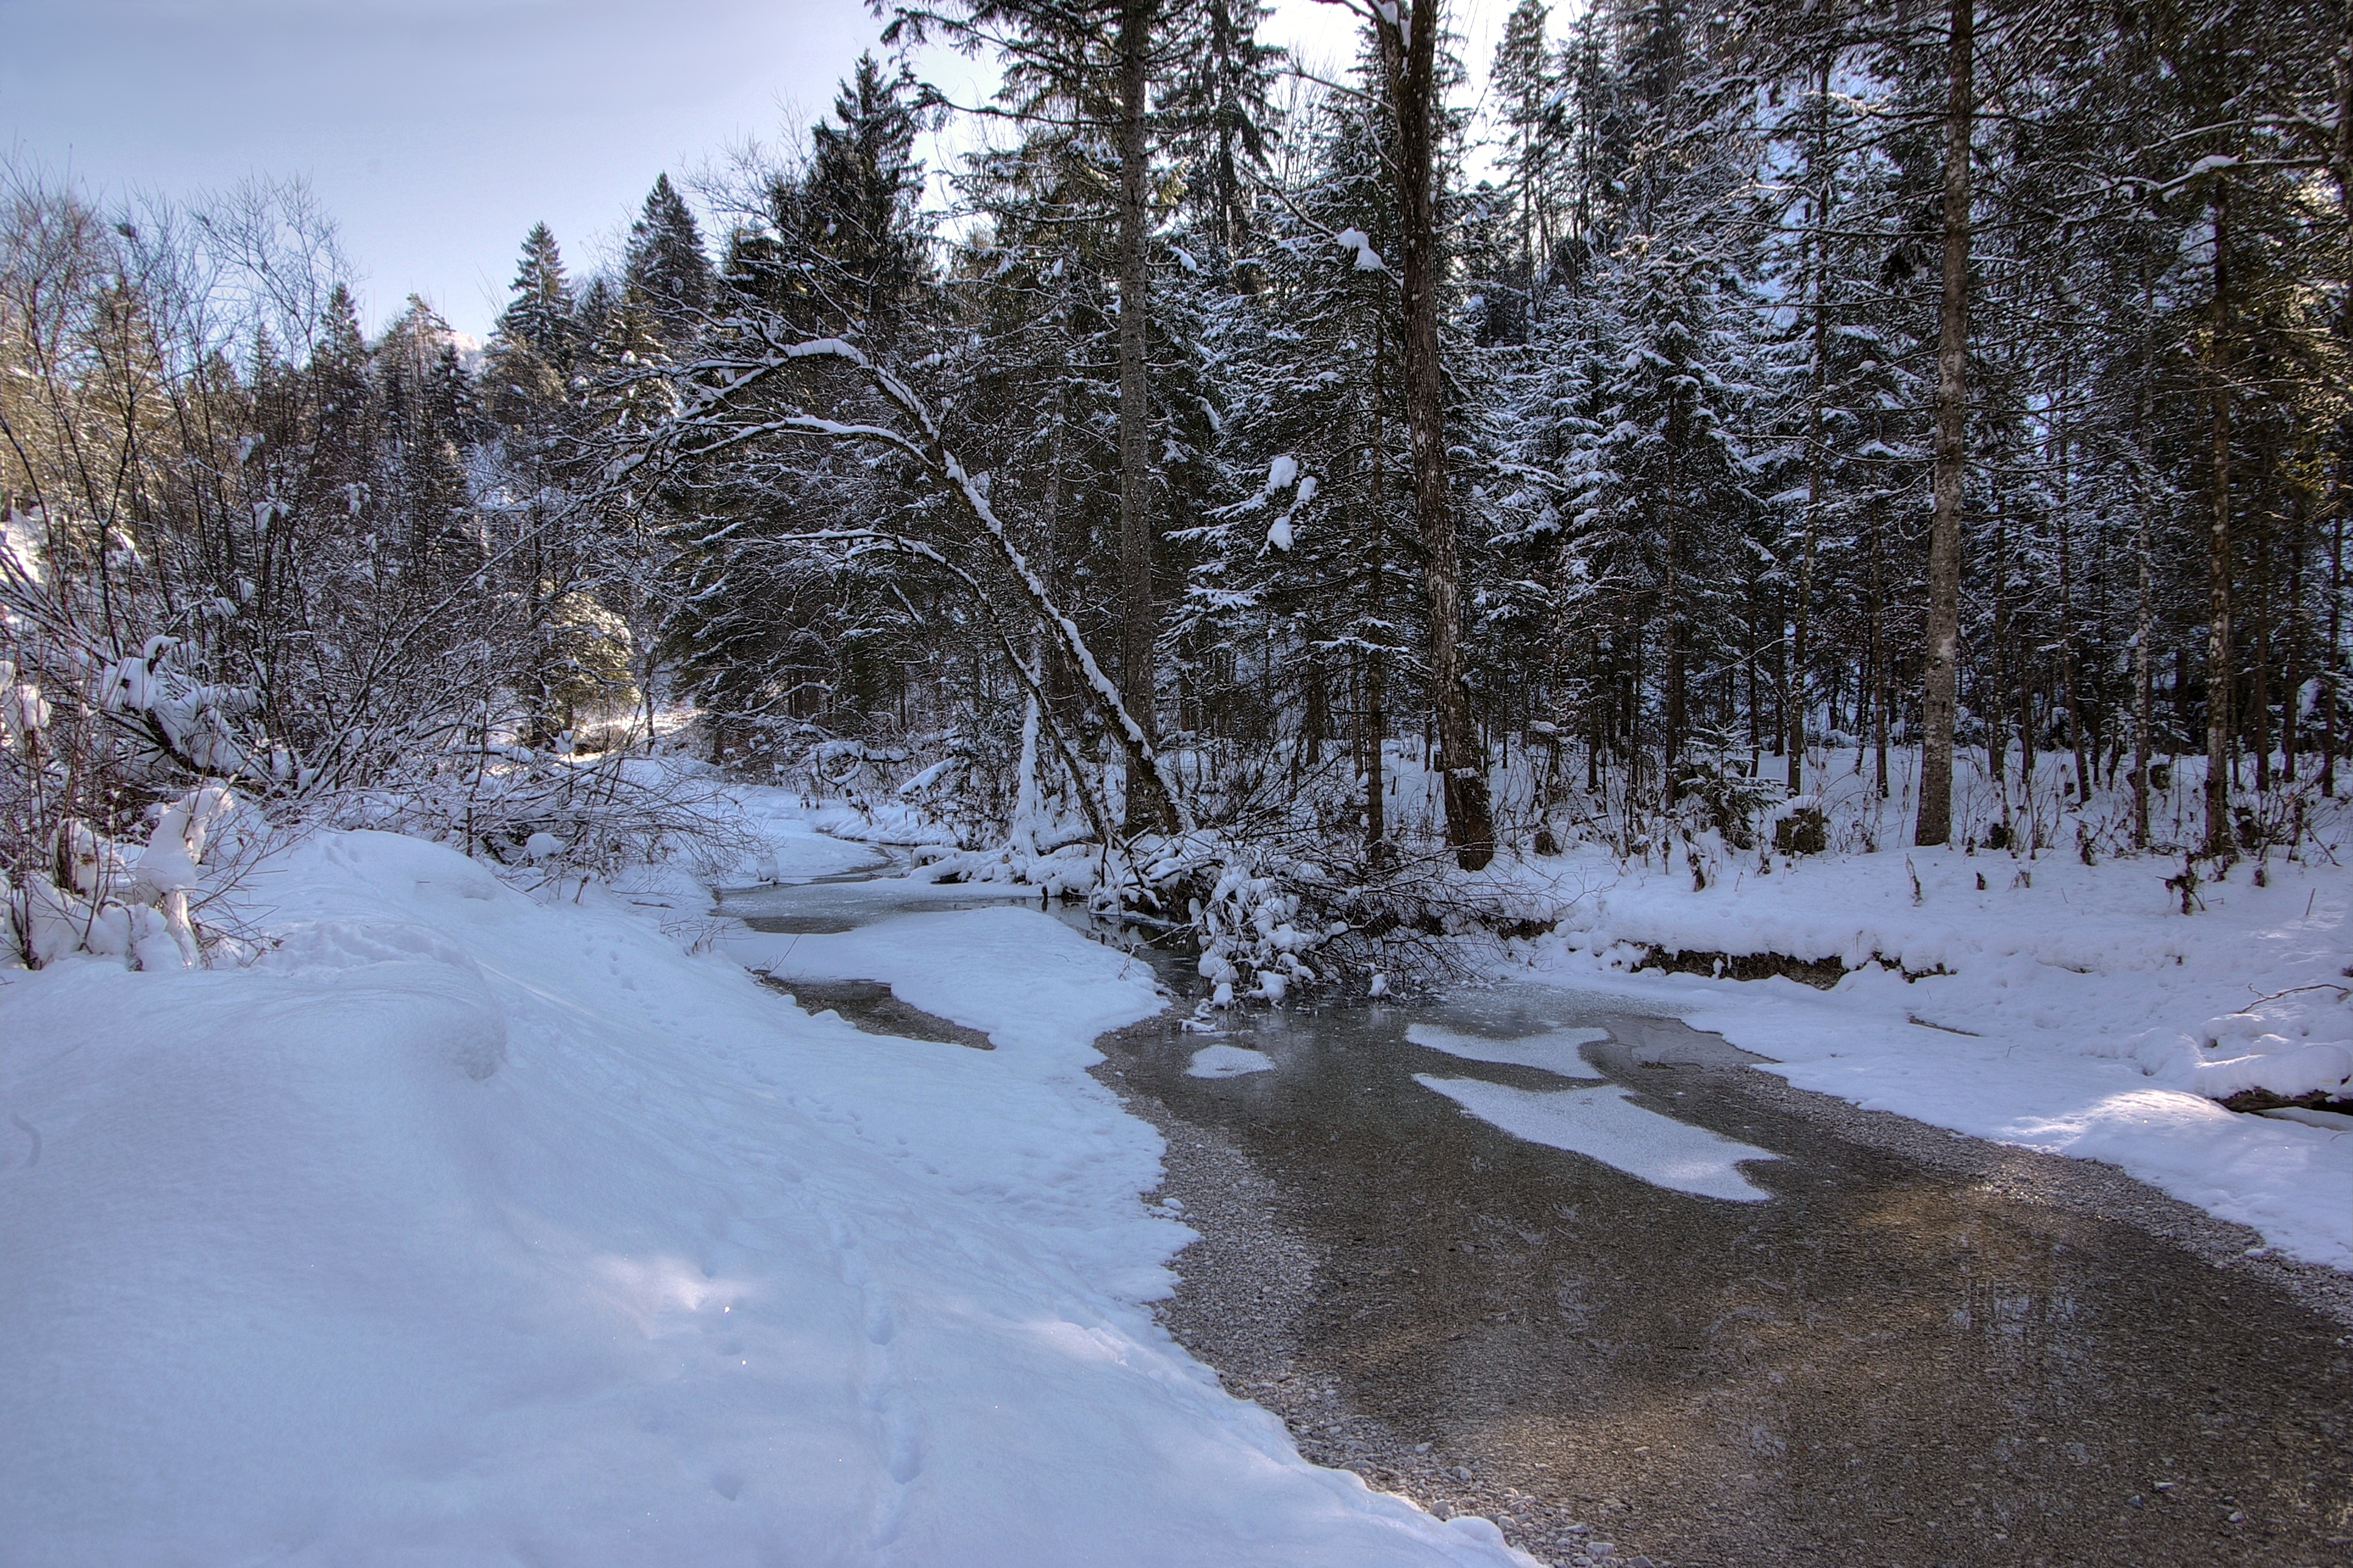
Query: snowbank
(2077, 1012)
(466, 1228)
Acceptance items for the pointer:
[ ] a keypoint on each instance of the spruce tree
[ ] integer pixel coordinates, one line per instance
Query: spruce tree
(666, 273)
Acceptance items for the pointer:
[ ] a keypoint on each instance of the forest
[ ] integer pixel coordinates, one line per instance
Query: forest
(1949, 398)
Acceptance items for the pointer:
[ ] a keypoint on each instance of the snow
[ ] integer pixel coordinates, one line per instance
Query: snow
(1228, 1062)
(1605, 1124)
(467, 1227)
(1555, 1052)
(2080, 1012)
(1367, 258)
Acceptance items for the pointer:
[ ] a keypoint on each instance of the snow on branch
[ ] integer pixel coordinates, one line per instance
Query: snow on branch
(692, 435)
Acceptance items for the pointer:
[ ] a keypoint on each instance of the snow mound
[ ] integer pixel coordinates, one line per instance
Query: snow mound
(1228, 1062)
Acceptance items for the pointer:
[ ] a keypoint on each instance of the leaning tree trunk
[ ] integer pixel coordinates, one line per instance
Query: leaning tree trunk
(1409, 44)
(1136, 623)
(1940, 667)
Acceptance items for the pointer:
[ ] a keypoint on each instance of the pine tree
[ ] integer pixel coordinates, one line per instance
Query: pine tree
(531, 357)
(666, 273)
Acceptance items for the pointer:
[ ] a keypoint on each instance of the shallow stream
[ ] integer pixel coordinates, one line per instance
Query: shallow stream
(1516, 1250)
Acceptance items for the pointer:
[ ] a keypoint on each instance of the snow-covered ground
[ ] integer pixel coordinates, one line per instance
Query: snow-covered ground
(2080, 1012)
(469, 1226)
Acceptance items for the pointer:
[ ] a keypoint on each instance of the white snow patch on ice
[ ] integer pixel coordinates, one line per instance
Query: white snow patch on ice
(1605, 1124)
(1554, 1053)
(1228, 1062)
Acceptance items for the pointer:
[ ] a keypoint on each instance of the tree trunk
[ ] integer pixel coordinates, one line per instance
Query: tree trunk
(1993, 684)
(2332, 654)
(1817, 266)
(1882, 687)
(2071, 679)
(1939, 664)
(2329, 674)
(1376, 731)
(2144, 620)
(1138, 624)
(1409, 58)
(2217, 553)
(2292, 628)
(1671, 588)
(2258, 667)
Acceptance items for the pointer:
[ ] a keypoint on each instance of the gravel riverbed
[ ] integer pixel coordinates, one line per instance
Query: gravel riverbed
(1925, 1350)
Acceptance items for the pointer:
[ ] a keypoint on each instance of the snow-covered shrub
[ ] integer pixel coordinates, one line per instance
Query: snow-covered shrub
(135, 903)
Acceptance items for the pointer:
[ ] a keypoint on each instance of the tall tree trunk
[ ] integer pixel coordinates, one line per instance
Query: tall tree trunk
(1993, 678)
(1882, 687)
(2292, 628)
(1939, 665)
(1137, 622)
(2258, 667)
(1223, 45)
(1377, 708)
(2218, 552)
(1756, 746)
(1672, 696)
(2069, 676)
(2342, 164)
(1409, 58)
(1817, 267)
(2329, 672)
(2144, 617)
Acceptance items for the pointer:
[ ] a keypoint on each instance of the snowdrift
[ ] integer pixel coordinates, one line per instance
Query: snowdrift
(467, 1229)
(2063, 1007)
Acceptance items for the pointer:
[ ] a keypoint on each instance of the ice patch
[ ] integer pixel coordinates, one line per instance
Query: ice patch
(1605, 1124)
(1554, 1053)
(1228, 1062)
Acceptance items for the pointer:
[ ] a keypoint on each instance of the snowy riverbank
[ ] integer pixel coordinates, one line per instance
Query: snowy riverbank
(2077, 1011)
(468, 1226)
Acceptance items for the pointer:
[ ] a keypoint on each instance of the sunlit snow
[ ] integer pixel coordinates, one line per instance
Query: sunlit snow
(1554, 1053)
(1228, 1062)
(1605, 1124)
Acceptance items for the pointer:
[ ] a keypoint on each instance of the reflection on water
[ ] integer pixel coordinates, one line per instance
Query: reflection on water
(1884, 1363)
(845, 900)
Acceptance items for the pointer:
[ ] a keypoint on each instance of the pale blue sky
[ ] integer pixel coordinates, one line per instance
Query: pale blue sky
(436, 132)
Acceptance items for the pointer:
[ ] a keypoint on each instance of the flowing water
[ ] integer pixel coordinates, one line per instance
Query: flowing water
(1599, 1265)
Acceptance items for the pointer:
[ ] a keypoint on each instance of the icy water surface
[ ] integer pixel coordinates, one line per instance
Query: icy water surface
(1603, 1260)
(845, 900)
(1732, 1323)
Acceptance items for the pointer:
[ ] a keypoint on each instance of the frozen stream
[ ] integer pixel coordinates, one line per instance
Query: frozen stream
(1516, 1251)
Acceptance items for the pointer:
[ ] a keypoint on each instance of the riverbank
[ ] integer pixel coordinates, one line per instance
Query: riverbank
(472, 1222)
